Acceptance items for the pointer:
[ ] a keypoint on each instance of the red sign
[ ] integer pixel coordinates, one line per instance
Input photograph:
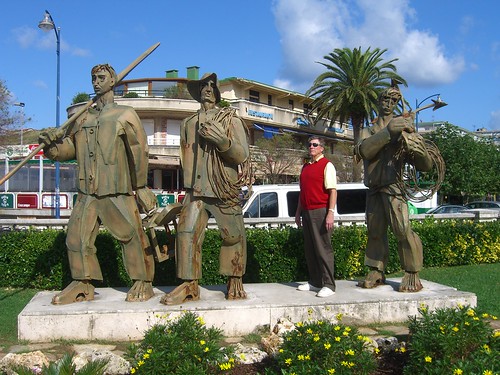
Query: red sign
(27, 201)
(39, 153)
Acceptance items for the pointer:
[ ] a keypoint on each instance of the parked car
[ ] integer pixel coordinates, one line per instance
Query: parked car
(490, 205)
(446, 209)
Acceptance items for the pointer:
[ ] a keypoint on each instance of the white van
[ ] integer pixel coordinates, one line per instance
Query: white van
(280, 201)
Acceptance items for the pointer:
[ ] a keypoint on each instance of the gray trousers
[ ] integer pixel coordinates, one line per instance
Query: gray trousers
(318, 248)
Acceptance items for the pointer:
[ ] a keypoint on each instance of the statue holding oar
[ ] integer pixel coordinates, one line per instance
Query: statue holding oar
(110, 145)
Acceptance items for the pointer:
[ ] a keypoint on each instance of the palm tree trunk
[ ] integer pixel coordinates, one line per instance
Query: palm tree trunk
(357, 125)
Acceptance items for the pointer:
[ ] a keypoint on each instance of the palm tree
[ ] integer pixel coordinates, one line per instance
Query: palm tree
(349, 88)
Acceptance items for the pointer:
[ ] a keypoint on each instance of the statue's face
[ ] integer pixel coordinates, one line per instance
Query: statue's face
(207, 92)
(387, 104)
(102, 81)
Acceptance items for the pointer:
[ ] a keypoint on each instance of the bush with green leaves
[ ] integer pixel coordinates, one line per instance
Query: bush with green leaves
(38, 259)
(453, 341)
(324, 347)
(183, 345)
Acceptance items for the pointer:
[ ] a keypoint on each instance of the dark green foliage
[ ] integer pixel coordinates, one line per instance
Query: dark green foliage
(38, 259)
(80, 97)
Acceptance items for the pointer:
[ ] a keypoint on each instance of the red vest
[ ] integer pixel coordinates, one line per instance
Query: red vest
(313, 194)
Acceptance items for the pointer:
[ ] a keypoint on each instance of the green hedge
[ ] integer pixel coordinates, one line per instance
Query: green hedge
(37, 259)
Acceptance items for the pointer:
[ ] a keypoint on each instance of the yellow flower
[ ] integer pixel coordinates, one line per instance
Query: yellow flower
(485, 315)
(316, 338)
(288, 361)
(457, 371)
(339, 316)
(377, 350)
(337, 339)
(281, 350)
(455, 329)
(202, 342)
(300, 357)
(496, 334)
(331, 371)
(486, 348)
(402, 350)
(471, 312)
(149, 351)
(460, 306)
(309, 330)
(344, 363)
(206, 349)
(145, 356)
(225, 366)
(494, 317)
(336, 328)
(242, 356)
(132, 371)
(487, 372)
(308, 357)
(347, 329)
(349, 352)
(327, 345)
(428, 359)
(201, 321)
(140, 363)
(299, 324)
(345, 333)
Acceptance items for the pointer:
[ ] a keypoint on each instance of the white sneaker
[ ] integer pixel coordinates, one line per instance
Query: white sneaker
(325, 292)
(307, 287)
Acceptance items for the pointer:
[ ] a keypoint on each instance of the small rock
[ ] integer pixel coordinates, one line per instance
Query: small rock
(34, 360)
(249, 354)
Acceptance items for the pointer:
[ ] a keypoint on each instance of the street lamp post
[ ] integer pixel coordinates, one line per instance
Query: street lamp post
(46, 25)
(418, 106)
(21, 104)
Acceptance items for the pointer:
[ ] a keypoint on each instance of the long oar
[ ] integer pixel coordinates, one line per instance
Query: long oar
(77, 114)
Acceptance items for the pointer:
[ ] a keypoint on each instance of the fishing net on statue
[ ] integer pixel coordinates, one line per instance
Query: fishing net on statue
(419, 186)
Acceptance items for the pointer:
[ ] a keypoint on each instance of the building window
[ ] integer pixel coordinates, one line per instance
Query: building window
(254, 96)
(307, 108)
(270, 100)
(290, 104)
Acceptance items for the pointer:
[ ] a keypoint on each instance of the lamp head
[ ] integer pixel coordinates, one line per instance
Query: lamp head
(47, 23)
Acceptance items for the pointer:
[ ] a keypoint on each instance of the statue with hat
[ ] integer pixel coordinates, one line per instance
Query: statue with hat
(215, 163)
(386, 146)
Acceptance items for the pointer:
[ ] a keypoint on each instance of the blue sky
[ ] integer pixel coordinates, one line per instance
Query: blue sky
(445, 47)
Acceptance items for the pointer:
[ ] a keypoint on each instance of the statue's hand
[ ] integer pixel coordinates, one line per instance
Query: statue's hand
(213, 132)
(48, 137)
(146, 199)
(399, 124)
(415, 144)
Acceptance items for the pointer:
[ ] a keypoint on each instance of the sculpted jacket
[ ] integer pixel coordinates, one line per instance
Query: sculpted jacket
(111, 149)
(202, 163)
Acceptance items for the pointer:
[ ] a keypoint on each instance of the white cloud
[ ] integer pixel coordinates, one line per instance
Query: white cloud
(310, 29)
(28, 37)
(494, 122)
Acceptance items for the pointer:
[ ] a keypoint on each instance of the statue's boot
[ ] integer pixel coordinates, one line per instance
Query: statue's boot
(141, 291)
(373, 279)
(187, 291)
(235, 288)
(76, 291)
(410, 282)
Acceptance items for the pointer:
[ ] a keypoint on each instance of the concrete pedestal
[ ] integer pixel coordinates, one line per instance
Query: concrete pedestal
(108, 317)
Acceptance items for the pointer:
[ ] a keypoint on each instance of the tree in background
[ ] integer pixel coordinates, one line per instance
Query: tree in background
(472, 165)
(80, 97)
(278, 158)
(348, 90)
(9, 120)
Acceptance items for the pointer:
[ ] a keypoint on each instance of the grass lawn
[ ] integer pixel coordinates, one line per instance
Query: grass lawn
(483, 280)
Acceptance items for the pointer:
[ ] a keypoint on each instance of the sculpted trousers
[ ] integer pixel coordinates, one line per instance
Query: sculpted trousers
(118, 214)
(318, 248)
(191, 233)
(383, 210)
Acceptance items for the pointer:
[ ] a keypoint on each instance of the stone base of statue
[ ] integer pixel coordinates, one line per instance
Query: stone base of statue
(109, 317)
